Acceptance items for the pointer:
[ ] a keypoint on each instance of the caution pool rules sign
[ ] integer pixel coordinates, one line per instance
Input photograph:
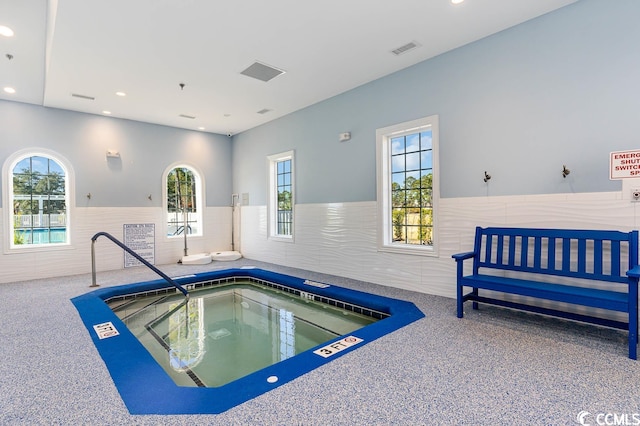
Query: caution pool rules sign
(624, 165)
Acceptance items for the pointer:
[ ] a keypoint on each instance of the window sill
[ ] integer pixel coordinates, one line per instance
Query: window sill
(429, 251)
(38, 248)
(282, 239)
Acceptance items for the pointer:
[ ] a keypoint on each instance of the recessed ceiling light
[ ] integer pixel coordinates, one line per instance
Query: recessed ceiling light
(456, 1)
(106, 112)
(10, 90)
(121, 94)
(6, 31)
(201, 128)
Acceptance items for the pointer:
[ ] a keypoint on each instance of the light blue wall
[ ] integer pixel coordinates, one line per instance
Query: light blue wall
(146, 151)
(563, 89)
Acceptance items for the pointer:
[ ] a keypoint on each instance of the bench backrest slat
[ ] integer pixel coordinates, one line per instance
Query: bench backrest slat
(615, 254)
(597, 261)
(551, 253)
(590, 254)
(537, 252)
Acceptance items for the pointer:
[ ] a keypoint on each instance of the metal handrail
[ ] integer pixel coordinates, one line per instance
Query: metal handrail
(132, 253)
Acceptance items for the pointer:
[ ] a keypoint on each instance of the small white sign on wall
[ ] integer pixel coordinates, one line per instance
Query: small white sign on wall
(141, 238)
(624, 165)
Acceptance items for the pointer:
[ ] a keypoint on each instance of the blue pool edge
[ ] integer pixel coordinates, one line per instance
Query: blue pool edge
(146, 388)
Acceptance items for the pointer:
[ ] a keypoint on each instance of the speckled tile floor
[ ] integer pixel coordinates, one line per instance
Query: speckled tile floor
(493, 367)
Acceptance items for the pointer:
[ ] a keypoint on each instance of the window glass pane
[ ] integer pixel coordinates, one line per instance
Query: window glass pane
(426, 140)
(54, 168)
(23, 166)
(413, 142)
(426, 159)
(397, 163)
(426, 199)
(397, 146)
(413, 161)
(398, 198)
(413, 179)
(398, 180)
(40, 165)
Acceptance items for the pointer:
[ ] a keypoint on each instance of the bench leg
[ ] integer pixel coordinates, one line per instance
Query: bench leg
(633, 319)
(460, 301)
(475, 294)
(633, 333)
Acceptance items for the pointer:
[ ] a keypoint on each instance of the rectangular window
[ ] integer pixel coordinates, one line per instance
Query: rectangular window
(281, 199)
(408, 186)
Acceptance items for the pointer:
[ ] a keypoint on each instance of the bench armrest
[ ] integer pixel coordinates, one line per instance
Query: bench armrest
(462, 256)
(634, 273)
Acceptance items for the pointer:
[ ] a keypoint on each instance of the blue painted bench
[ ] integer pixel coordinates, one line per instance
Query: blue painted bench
(597, 269)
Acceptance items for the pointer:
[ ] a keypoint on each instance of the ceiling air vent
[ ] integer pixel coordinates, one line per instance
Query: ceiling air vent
(90, 98)
(264, 111)
(403, 49)
(191, 117)
(261, 71)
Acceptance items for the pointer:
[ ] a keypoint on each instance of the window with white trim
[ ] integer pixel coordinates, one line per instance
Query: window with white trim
(37, 194)
(184, 201)
(281, 195)
(408, 192)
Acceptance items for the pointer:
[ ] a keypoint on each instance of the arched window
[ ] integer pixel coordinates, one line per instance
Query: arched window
(37, 199)
(184, 201)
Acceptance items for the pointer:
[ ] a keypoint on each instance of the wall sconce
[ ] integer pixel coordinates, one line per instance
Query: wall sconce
(487, 176)
(565, 171)
(343, 137)
(112, 153)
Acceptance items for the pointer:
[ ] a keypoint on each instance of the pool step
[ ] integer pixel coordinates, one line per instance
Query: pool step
(127, 310)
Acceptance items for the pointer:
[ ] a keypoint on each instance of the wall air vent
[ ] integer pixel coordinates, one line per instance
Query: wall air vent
(264, 111)
(403, 49)
(90, 98)
(191, 117)
(261, 71)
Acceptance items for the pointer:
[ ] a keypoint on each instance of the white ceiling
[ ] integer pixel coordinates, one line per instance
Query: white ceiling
(146, 48)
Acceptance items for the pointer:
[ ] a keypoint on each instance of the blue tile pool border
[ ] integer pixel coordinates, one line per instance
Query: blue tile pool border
(146, 388)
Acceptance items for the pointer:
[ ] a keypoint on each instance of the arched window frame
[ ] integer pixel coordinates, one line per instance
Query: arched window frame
(200, 200)
(8, 201)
